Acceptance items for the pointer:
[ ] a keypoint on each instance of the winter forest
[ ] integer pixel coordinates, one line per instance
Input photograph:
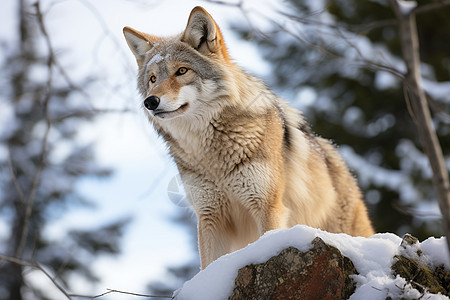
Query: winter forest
(91, 205)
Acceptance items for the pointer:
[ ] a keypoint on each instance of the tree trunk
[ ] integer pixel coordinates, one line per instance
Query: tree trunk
(421, 113)
(15, 247)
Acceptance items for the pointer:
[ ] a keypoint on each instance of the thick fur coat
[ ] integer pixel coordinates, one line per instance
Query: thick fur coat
(249, 162)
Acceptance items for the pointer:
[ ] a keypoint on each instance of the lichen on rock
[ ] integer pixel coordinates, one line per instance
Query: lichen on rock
(320, 273)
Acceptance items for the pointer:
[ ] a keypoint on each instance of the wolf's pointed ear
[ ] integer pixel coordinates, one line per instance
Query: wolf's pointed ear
(138, 42)
(203, 34)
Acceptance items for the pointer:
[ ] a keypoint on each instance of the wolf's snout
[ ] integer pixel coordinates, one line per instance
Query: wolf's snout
(151, 103)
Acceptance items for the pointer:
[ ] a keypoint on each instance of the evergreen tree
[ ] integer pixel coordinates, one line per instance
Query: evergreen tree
(332, 53)
(40, 162)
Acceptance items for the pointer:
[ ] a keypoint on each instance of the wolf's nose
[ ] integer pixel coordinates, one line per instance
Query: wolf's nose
(151, 103)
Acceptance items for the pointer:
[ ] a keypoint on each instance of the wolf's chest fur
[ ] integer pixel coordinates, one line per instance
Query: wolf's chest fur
(227, 142)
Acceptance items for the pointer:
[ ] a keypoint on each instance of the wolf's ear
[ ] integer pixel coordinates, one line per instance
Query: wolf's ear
(203, 34)
(138, 42)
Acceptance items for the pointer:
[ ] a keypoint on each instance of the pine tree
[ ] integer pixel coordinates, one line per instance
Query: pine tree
(360, 106)
(42, 161)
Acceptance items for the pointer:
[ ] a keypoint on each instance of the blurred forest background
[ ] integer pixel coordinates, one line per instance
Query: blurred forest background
(338, 61)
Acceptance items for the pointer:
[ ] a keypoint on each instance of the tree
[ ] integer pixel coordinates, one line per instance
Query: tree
(347, 56)
(42, 110)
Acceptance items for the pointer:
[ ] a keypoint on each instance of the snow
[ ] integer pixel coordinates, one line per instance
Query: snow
(8, 122)
(372, 258)
(436, 251)
(155, 59)
(406, 7)
(438, 90)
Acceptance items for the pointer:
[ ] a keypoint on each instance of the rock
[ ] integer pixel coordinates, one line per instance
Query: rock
(320, 273)
(415, 268)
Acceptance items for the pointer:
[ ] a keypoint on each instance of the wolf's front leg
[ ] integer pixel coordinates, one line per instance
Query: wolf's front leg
(261, 194)
(213, 238)
(212, 209)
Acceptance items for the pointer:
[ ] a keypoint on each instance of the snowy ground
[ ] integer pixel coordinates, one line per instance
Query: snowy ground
(372, 258)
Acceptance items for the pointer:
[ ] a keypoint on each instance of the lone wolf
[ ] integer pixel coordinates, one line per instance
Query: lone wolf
(249, 162)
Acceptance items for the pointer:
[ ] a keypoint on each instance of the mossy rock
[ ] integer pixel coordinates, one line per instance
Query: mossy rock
(417, 273)
(443, 277)
(419, 276)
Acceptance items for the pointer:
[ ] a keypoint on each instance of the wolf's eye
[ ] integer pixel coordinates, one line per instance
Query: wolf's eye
(153, 79)
(181, 71)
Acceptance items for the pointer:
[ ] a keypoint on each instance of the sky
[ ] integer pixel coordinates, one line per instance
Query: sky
(89, 42)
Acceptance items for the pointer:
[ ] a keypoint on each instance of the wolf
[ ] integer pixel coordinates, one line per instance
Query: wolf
(249, 162)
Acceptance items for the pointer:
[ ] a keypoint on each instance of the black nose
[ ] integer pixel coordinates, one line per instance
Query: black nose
(151, 103)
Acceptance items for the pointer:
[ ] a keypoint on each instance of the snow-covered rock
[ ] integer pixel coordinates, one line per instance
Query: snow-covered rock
(372, 258)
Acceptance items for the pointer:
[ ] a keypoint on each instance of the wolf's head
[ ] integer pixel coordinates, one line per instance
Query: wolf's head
(182, 77)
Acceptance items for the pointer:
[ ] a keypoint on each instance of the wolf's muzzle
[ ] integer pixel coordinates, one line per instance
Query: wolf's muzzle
(151, 103)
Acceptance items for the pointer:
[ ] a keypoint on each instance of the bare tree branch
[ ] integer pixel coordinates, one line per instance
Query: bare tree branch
(37, 267)
(52, 55)
(225, 3)
(429, 7)
(304, 40)
(90, 112)
(14, 177)
(362, 28)
(110, 291)
(63, 290)
(422, 116)
(337, 28)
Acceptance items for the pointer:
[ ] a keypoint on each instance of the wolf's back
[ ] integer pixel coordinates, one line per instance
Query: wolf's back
(320, 191)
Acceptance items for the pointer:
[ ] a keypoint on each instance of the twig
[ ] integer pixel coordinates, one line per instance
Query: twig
(52, 54)
(37, 267)
(321, 49)
(140, 295)
(110, 291)
(408, 104)
(14, 177)
(429, 7)
(366, 63)
(88, 113)
(415, 212)
(363, 61)
(354, 28)
(225, 3)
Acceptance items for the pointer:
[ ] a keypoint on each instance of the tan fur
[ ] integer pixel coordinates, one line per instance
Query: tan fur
(248, 161)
